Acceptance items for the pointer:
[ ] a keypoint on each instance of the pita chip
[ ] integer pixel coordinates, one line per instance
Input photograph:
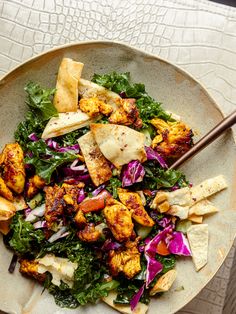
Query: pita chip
(119, 144)
(65, 123)
(195, 218)
(198, 241)
(203, 207)
(165, 282)
(208, 188)
(66, 96)
(178, 211)
(88, 89)
(141, 308)
(98, 167)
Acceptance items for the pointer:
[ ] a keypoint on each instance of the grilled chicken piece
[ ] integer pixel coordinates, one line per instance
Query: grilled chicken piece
(93, 106)
(5, 191)
(126, 114)
(71, 194)
(30, 268)
(54, 203)
(35, 184)
(80, 219)
(12, 159)
(89, 233)
(119, 220)
(125, 260)
(133, 202)
(59, 199)
(173, 139)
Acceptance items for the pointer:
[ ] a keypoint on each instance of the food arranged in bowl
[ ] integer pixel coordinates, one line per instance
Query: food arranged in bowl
(88, 204)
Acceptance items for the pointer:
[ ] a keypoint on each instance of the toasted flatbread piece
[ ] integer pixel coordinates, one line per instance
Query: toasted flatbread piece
(163, 200)
(140, 308)
(66, 96)
(65, 123)
(198, 241)
(88, 89)
(96, 163)
(195, 218)
(7, 209)
(178, 211)
(119, 144)
(180, 197)
(203, 207)
(208, 188)
(165, 282)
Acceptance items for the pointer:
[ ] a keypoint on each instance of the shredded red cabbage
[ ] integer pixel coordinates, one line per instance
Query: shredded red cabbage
(132, 173)
(33, 137)
(153, 155)
(40, 224)
(59, 234)
(54, 145)
(135, 299)
(98, 190)
(110, 245)
(153, 268)
(81, 196)
(177, 244)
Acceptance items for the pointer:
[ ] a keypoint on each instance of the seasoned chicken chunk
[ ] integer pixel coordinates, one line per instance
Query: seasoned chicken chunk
(71, 194)
(119, 220)
(133, 202)
(125, 260)
(35, 184)
(80, 219)
(126, 114)
(13, 167)
(59, 199)
(173, 138)
(89, 233)
(93, 106)
(5, 191)
(54, 203)
(7, 209)
(30, 268)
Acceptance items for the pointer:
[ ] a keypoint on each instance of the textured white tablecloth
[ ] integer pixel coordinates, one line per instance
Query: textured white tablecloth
(199, 36)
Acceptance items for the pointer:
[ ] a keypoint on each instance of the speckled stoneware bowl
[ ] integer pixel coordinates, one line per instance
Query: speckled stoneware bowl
(179, 93)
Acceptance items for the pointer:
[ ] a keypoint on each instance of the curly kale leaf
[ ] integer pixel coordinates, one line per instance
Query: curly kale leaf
(156, 177)
(88, 277)
(113, 185)
(25, 239)
(41, 109)
(46, 160)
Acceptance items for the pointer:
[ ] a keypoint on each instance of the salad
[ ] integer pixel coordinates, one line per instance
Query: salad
(88, 205)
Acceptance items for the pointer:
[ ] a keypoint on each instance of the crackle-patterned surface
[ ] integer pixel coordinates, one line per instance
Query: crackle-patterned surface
(198, 35)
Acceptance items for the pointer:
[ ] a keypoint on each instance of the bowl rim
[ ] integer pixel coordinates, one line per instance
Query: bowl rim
(148, 54)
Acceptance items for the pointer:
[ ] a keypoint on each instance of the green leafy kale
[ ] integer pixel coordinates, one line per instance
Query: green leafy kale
(95, 217)
(128, 289)
(120, 83)
(71, 138)
(46, 160)
(113, 185)
(39, 101)
(88, 278)
(168, 262)
(24, 239)
(40, 111)
(156, 177)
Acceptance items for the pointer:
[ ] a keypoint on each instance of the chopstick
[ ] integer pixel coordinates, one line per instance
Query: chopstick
(212, 135)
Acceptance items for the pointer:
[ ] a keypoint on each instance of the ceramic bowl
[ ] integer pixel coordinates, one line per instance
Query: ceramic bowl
(179, 93)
